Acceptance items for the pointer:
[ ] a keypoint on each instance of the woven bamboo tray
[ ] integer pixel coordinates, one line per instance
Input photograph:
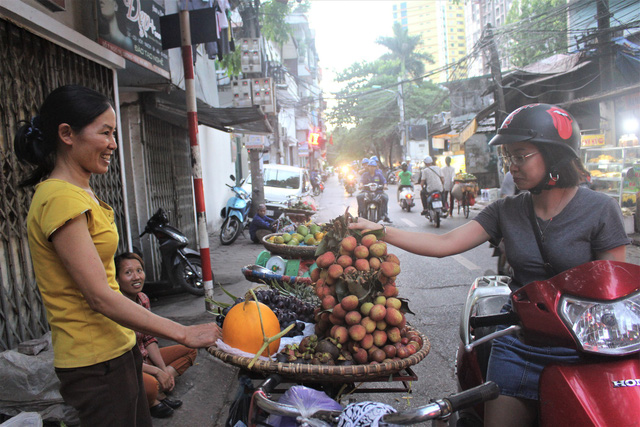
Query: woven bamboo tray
(288, 251)
(323, 373)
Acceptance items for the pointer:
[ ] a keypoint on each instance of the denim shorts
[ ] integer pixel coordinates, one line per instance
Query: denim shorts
(516, 367)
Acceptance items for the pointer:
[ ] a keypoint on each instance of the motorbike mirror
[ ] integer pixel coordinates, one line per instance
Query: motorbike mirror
(233, 178)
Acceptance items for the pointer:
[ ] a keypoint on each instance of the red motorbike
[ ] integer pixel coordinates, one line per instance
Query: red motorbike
(594, 308)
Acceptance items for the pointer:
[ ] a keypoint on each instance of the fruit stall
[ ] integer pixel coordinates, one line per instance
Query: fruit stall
(339, 322)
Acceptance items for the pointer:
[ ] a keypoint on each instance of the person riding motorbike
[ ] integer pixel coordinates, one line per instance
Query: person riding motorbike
(405, 179)
(540, 143)
(314, 177)
(373, 174)
(363, 166)
(431, 180)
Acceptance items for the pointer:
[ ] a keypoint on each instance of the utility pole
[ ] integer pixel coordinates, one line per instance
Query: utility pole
(404, 140)
(496, 73)
(607, 113)
(250, 17)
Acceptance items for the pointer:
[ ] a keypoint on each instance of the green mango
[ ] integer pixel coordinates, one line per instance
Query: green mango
(286, 237)
(302, 230)
(299, 237)
(310, 240)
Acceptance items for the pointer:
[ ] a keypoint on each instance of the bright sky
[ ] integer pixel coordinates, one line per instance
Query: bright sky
(346, 32)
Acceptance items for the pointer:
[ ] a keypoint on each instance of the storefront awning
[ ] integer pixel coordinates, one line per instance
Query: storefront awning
(247, 120)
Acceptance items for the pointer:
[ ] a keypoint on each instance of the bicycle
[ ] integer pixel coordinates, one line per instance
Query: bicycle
(261, 405)
(465, 201)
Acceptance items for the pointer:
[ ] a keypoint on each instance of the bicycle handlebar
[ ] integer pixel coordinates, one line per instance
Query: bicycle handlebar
(438, 409)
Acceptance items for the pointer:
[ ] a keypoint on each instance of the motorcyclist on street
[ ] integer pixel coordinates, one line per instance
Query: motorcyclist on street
(405, 179)
(541, 144)
(431, 180)
(373, 174)
(314, 177)
(363, 167)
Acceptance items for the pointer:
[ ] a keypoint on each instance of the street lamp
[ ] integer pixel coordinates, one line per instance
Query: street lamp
(403, 127)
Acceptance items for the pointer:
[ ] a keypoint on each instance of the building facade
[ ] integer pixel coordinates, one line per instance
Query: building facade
(441, 26)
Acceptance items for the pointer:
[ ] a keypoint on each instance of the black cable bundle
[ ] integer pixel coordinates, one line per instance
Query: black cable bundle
(239, 410)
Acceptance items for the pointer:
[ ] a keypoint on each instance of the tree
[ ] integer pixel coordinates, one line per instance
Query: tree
(368, 117)
(539, 30)
(403, 52)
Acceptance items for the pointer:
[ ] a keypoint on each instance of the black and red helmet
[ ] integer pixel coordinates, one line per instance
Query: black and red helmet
(540, 124)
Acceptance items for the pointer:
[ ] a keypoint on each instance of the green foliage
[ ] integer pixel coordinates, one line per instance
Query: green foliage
(273, 25)
(541, 30)
(402, 49)
(231, 63)
(366, 118)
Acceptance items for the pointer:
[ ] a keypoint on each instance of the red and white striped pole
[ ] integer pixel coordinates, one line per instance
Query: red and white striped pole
(196, 164)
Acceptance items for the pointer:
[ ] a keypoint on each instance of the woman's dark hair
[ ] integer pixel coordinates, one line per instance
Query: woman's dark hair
(126, 255)
(569, 170)
(36, 140)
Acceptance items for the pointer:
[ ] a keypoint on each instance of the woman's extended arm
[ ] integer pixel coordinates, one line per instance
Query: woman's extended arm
(458, 240)
(78, 253)
(615, 254)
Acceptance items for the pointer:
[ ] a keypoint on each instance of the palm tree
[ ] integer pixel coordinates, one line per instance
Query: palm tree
(403, 51)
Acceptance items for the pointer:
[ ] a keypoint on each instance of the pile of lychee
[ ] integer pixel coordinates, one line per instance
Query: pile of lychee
(360, 308)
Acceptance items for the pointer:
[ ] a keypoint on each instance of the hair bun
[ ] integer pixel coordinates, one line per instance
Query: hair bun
(32, 131)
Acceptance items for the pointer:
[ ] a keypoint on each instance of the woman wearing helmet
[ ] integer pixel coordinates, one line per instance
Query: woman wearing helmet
(539, 144)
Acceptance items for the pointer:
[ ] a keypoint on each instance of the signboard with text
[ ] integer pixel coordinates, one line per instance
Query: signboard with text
(592, 140)
(132, 30)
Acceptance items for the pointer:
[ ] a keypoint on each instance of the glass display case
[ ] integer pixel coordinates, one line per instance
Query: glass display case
(612, 171)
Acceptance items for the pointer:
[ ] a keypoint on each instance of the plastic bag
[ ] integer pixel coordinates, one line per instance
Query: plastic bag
(24, 419)
(364, 414)
(307, 400)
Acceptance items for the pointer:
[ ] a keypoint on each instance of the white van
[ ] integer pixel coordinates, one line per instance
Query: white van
(282, 182)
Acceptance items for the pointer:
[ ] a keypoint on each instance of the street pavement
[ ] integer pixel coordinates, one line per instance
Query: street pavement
(436, 288)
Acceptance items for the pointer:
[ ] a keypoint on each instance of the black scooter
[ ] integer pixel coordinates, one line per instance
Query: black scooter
(181, 266)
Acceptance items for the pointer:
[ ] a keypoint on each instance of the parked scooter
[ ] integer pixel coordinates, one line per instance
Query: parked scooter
(181, 266)
(350, 183)
(235, 214)
(592, 308)
(405, 199)
(373, 201)
(435, 211)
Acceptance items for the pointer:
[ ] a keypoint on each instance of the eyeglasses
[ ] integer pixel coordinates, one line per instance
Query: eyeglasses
(518, 160)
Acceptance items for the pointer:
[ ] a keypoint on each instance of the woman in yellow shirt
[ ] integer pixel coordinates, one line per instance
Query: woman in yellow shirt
(73, 240)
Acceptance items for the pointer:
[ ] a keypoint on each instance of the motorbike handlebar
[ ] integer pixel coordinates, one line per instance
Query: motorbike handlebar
(473, 396)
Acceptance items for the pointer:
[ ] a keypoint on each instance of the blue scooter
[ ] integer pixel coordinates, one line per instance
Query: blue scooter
(236, 213)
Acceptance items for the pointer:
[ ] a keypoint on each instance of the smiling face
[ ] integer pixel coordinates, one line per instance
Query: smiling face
(532, 171)
(93, 146)
(130, 277)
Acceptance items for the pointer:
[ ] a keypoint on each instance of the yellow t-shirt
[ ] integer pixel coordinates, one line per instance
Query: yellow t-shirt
(81, 336)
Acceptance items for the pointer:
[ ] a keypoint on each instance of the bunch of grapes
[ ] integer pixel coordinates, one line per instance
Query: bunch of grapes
(288, 309)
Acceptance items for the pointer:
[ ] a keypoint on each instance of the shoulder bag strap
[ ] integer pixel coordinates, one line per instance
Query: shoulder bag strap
(536, 231)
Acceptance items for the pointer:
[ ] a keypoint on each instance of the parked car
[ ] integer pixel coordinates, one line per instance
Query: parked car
(282, 183)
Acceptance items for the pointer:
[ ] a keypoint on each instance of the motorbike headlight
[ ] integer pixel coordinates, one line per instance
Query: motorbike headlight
(604, 327)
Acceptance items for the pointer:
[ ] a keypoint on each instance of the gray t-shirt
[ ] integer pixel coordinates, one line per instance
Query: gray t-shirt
(590, 223)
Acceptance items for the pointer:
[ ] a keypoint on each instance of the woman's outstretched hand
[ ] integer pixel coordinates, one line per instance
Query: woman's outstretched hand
(202, 336)
(364, 224)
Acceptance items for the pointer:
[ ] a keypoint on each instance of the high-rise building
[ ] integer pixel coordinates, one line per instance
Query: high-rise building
(442, 28)
(479, 13)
